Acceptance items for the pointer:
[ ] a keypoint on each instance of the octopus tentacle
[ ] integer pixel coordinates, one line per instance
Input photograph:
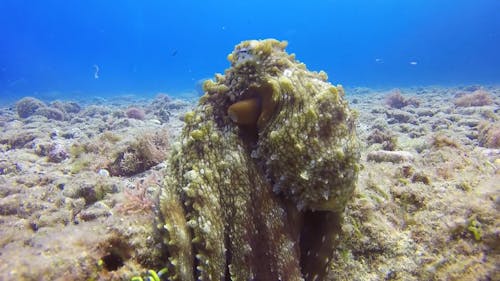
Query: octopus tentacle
(265, 166)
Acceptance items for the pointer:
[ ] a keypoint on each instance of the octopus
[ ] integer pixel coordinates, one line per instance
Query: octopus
(264, 167)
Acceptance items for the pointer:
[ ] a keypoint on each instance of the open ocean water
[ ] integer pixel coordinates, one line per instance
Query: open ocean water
(76, 49)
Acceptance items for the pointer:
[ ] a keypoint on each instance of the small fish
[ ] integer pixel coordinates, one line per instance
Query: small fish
(413, 63)
(174, 53)
(377, 60)
(96, 72)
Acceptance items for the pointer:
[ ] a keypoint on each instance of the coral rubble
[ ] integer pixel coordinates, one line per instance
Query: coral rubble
(265, 166)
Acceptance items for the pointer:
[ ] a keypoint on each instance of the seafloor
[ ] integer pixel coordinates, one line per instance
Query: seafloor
(78, 183)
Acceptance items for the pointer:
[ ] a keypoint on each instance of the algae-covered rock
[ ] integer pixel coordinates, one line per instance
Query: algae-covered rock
(390, 156)
(265, 166)
(50, 113)
(147, 150)
(27, 106)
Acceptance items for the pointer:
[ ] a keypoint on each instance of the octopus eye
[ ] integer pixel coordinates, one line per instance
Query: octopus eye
(245, 112)
(256, 110)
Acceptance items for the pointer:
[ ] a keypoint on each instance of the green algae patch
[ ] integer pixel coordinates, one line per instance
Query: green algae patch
(474, 228)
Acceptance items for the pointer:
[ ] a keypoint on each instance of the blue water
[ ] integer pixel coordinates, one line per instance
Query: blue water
(52, 49)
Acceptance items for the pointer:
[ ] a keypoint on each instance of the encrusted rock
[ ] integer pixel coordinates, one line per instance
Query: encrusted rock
(390, 156)
(57, 153)
(27, 106)
(50, 113)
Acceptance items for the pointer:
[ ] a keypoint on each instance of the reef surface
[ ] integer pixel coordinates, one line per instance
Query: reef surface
(265, 166)
(79, 181)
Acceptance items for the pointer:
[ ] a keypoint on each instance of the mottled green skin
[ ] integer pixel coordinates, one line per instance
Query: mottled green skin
(238, 201)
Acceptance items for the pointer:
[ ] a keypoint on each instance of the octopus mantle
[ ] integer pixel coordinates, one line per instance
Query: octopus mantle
(261, 174)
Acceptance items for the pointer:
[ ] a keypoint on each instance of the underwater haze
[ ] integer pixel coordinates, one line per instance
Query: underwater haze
(59, 49)
(121, 160)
